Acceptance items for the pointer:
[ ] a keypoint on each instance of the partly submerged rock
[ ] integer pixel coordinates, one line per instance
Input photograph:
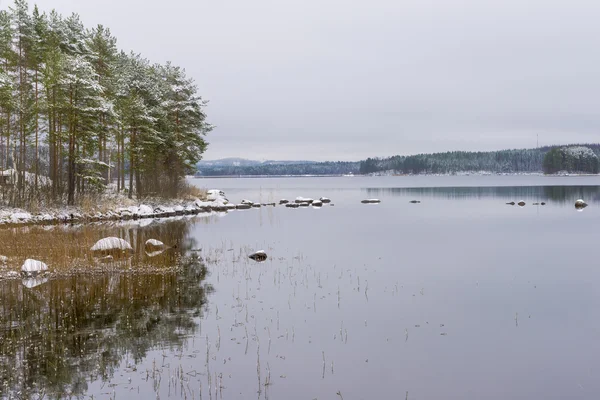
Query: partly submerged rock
(283, 201)
(243, 206)
(256, 205)
(259, 255)
(317, 203)
(512, 203)
(579, 203)
(304, 204)
(292, 205)
(521, 203)
(111, 244)
(303, 200)
(154, 244)
(325, 200)
(371, 201)
(244, 201)
(414, 201)
(33, 267)
(542, 203)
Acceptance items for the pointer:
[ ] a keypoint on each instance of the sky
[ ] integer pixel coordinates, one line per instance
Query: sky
(347, 80)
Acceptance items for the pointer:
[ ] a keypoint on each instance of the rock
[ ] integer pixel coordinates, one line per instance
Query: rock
(153, 244)
(145, 210)
(304, 204)
(283, 201)
(33, 267)
(260, 255)
(414, 201)
(216, 194)
(243, 206)
(580, 203)
(256, 205)
(111, 244)
(521, 203)
(512, 203)
(325, 200)
(542, 203)
(535, 204)
(371, 201)
(179, 210)
(303, 200)
(317, 203)
(292, 205)
(3, 260)
(247, 202)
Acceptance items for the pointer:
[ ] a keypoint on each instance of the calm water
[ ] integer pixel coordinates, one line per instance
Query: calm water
(458, 297)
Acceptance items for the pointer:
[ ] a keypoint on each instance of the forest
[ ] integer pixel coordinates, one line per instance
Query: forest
(578, 159)
(281, 169)
(503, 161)
(78, 115)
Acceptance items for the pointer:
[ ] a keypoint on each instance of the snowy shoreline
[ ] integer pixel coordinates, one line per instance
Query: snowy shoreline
(215, 202)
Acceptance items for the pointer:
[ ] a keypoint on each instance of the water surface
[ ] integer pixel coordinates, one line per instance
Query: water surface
(459, 296)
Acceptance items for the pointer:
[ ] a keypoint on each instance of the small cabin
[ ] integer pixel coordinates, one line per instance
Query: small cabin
(8, 177)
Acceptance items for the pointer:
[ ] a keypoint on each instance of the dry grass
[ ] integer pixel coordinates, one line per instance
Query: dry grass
(191, 192)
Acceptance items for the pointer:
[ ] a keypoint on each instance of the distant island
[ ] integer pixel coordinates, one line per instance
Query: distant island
(574, 158)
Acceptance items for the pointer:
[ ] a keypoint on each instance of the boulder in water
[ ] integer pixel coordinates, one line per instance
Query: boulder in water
(243, 206)
(112, 244)
(317, 203)
(579, 203)
(512, 203)
(371, 201)
(283, 201)
(260, 255)
(325, 200)
(303, 200)
(33, 267)
(292, 205)
(414, 201)
(521, 203)
(153, 244)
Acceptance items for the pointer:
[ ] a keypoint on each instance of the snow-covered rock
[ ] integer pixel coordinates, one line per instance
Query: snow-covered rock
(20, 217)
(145, 210)
(33, 267)
(325, 200)
(317, 203)
(303, 200)
(244, 201)
(216, 194)
(111, 244)
(154, 243)
(579, 203)
(371, 201)
(259, 255)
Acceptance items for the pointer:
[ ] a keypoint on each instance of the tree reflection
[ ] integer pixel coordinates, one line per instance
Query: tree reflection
(58, 336)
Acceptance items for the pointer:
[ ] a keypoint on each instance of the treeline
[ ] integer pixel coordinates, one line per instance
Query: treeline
(571, 159)
(104, 115)
(503, 161)
(321, 168)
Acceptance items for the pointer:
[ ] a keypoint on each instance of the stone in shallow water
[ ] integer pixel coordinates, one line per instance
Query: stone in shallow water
(154, 244)
(259, 255)
(111, 244)
(33, 267)
(521, 203)
(371, 201)
(579, 203)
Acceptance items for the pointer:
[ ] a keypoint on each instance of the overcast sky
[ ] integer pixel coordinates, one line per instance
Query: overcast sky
(345, 79)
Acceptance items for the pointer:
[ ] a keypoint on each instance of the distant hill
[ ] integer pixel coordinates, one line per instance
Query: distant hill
(255, 168)
(502, 161)
(242, 162)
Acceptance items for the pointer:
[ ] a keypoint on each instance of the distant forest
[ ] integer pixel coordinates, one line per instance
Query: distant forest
(503, 161)
(309, 168)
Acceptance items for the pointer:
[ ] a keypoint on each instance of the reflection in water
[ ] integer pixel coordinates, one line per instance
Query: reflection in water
(61, 333)
(58, 336)
(562, 194)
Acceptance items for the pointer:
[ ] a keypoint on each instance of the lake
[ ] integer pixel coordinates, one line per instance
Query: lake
(460, 296)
